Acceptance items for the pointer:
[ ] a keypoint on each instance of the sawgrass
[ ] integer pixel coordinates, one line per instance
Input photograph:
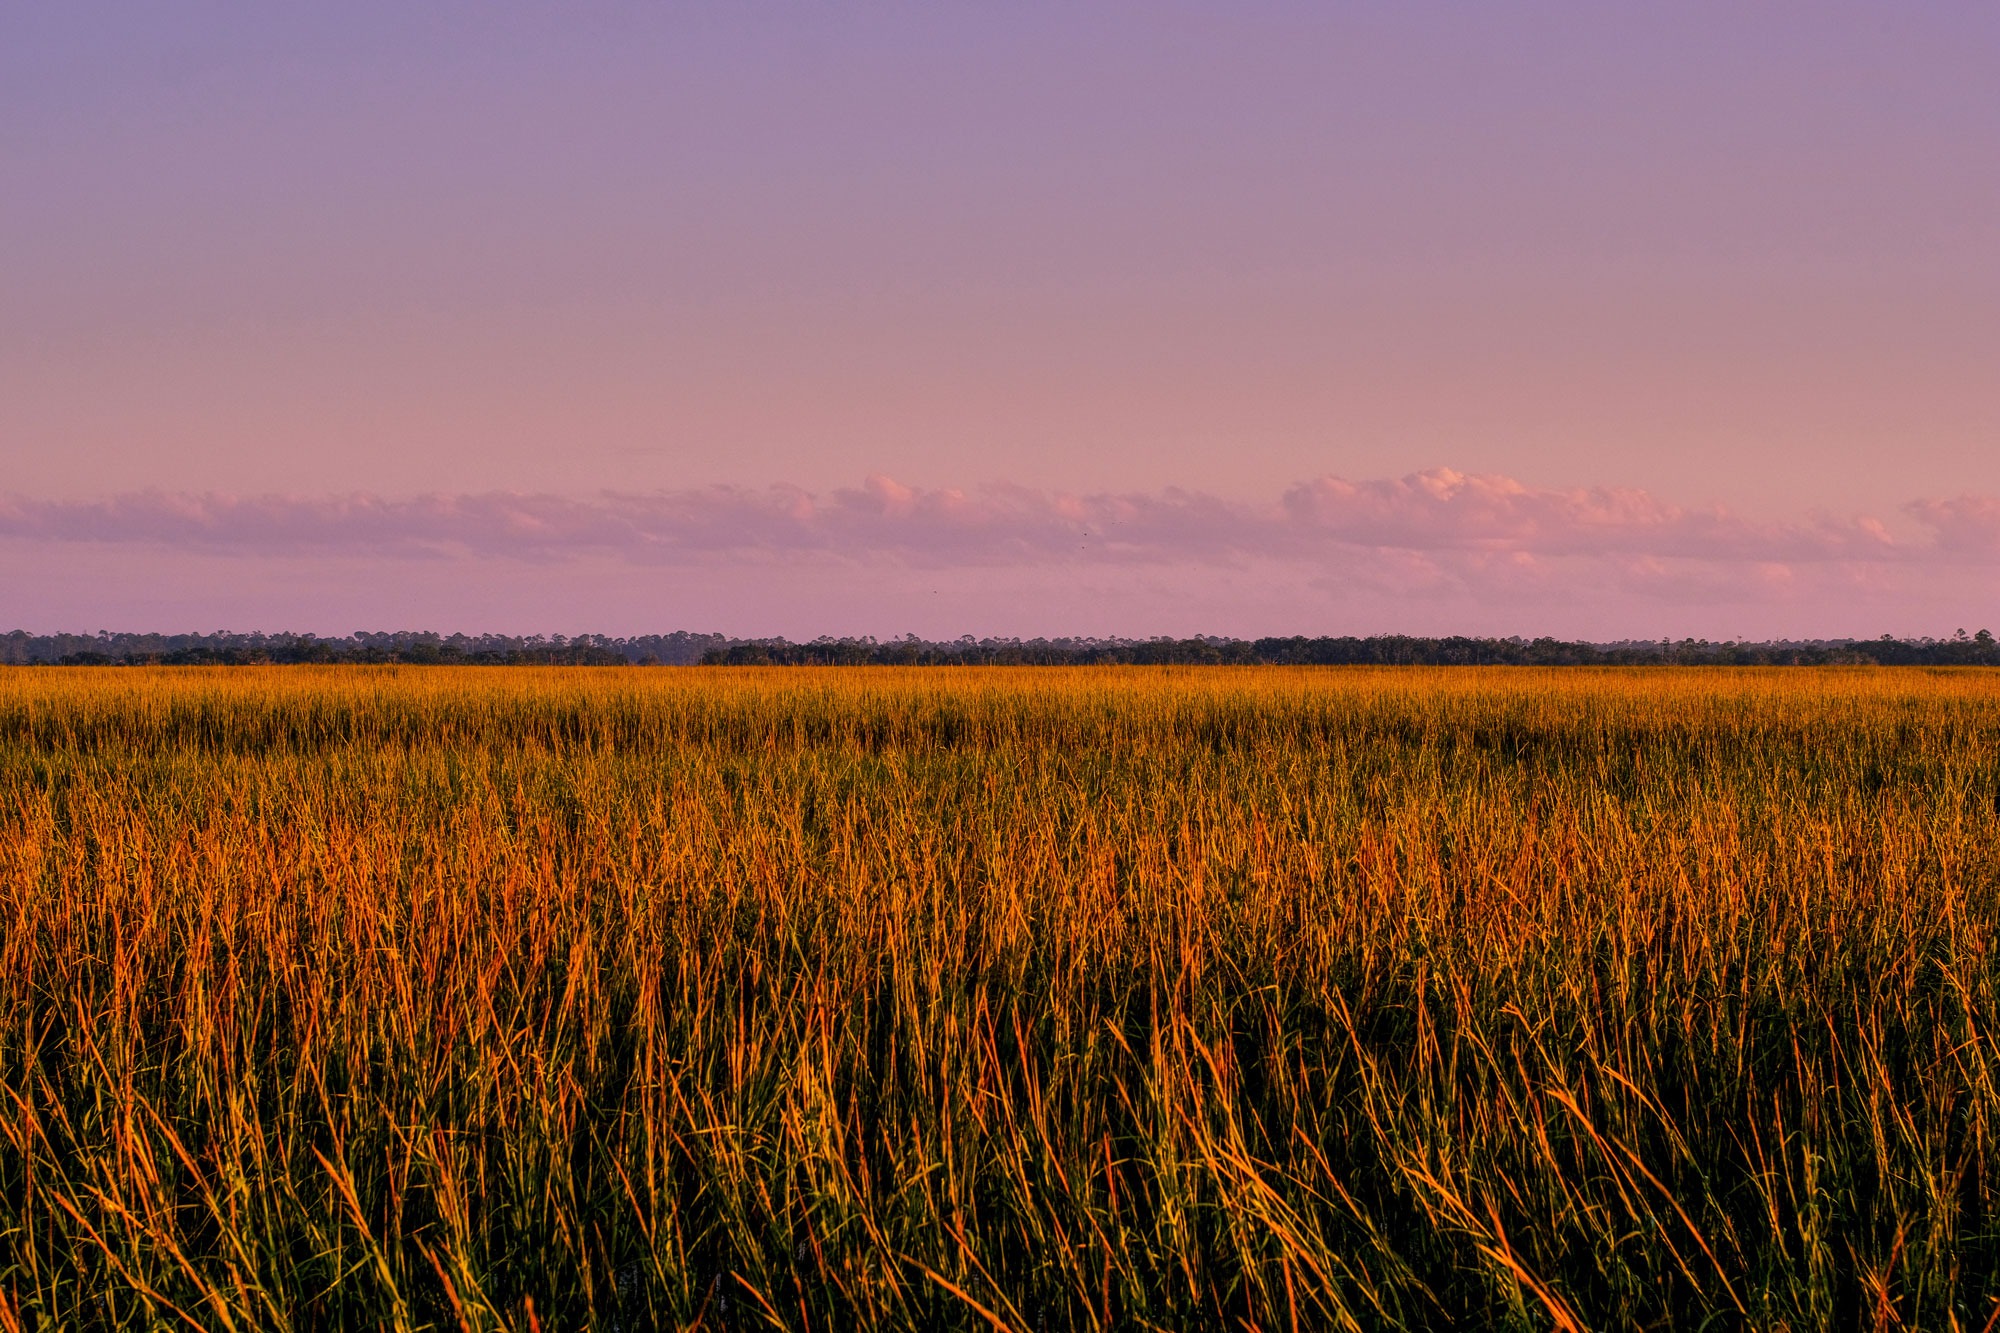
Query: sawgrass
(1027, 999)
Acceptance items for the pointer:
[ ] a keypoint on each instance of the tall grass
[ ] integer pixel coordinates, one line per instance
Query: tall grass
(1102, 999)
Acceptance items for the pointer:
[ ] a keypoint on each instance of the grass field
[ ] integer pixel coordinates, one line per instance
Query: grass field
(1026, 999)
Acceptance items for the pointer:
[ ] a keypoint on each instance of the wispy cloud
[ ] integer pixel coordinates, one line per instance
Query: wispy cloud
(1439, 514)
(1968, 525)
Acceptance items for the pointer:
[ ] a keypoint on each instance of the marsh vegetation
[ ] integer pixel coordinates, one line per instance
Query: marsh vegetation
(1109, 998)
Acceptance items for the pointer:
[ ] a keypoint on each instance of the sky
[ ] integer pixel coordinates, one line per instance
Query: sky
(1602, 321)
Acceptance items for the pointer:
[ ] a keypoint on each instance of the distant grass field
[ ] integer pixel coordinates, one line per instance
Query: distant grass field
(1027, 999)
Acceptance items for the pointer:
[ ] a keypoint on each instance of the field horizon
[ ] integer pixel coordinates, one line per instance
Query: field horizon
(684, 648)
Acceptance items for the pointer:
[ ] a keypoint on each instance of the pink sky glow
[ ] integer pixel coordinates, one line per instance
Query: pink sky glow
(1552, 317)
(1438, 550)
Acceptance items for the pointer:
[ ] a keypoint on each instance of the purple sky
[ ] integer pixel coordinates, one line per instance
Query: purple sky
(1595, 320)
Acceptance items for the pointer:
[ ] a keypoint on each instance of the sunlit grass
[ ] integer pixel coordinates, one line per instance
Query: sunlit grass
(957, 998)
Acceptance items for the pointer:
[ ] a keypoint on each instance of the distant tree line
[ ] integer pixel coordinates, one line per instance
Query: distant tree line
(1376, 650)
(224, 649)
(684, 649)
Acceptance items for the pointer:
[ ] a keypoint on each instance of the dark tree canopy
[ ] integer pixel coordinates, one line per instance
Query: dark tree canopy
(682, 648)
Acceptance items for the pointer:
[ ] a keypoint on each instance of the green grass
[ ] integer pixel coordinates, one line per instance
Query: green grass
(1101, 998)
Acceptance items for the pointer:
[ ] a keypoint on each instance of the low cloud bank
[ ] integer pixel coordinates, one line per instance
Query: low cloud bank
(1439, 513)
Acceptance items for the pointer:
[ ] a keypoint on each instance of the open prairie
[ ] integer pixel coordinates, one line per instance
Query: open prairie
(1019, 999)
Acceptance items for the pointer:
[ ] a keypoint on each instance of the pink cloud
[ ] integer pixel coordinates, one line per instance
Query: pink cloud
(1968, 525)
(1439, 518)
(1446, 510)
